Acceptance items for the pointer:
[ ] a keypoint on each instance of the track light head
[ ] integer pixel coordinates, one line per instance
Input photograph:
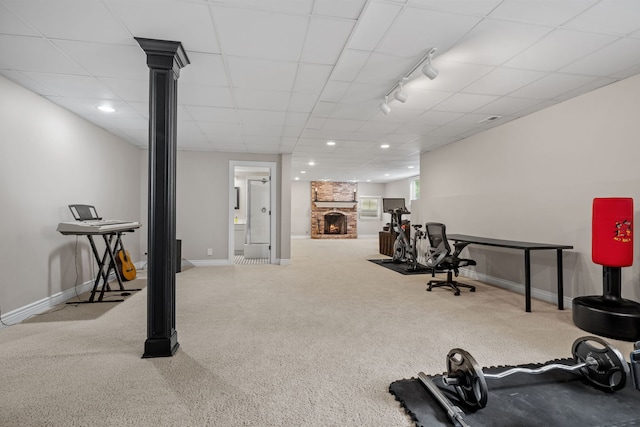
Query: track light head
(400, 94)
(384, 107)
(429, 71)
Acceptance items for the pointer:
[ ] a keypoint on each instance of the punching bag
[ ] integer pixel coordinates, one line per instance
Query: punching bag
(612, 232)
(610, 315)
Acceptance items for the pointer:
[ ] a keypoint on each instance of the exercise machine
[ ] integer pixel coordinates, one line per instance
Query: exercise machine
(405, 247)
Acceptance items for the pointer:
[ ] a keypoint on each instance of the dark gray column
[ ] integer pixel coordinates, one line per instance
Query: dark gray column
(165, 59)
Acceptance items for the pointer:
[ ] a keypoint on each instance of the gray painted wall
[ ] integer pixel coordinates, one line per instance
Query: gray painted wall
(534, 179)
(50, 158)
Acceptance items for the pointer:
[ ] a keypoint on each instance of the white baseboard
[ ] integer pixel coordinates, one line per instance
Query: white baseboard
(23, 313)
(38, 307)
(208, 262)
(547, 296)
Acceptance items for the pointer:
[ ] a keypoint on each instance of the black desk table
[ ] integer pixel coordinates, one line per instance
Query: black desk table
(527, 247)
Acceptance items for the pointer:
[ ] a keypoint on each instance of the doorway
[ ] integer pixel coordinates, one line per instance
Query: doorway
(252, 212)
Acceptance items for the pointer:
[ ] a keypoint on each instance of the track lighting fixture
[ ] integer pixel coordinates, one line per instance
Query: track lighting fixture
(398, 91)
(384, 106)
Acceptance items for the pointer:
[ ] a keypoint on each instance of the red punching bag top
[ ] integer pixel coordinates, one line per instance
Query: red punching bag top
(612, 231)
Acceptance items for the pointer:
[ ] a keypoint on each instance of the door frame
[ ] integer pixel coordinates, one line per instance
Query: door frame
(272, 166)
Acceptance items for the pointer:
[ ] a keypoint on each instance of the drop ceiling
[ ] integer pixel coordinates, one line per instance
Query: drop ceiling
(287, 76)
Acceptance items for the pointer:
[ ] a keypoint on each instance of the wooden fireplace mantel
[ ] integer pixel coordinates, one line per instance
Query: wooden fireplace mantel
(335, 204)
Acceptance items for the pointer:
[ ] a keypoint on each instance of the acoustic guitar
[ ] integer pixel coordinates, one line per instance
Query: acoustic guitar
(125, 266)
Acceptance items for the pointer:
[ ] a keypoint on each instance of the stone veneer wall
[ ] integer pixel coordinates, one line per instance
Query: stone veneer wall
(333, 192)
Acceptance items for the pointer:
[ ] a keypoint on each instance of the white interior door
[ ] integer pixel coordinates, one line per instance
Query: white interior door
(259, 208)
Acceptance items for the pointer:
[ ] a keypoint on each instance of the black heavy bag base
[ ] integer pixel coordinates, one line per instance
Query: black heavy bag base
(612, 318)
(555, 398)
(608, 315)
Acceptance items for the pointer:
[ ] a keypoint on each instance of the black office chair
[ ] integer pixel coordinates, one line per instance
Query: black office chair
(439, 257)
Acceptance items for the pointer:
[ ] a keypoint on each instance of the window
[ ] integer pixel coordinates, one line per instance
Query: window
(414, 188)
(370, 207)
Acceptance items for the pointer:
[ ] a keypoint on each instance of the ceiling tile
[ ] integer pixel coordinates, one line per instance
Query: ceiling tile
(559, 49)
(303, 102)
(312, 78)
(186, 22)
(258, 117)
(493, 42)
(348, 125)
(611, 16)
(34, 54)
(108, 60)
(464, 102)
(326, 38)
(283, 6)
(210, 96)
(11, 25)
(507, 106)
(220, 128)
(503, 81)
(552, 86)
(377, 18)
(471, 7)
(73, 86)
(545, 12)
(59, 19)
(349, 65)
(417, 30)
(384, 69)
(262, 130)
(128, 89)
(204, 69)
(258, 34)
(213, 114)
(339, 8)
(262, 74)
(452, 77)
(334, 90)
(377, 127)
(420, 99)
(255, 99)
(296, 119)
(609, 60)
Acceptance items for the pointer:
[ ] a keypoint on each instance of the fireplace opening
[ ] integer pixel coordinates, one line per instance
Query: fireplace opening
(335, 223)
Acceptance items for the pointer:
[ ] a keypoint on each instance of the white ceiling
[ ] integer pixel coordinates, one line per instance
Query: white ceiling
(286, 76)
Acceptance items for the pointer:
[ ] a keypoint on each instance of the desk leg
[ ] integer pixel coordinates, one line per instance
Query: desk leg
(527, 279)
(560, 281)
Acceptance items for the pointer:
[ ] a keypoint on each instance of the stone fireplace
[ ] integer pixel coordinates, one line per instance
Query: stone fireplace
(334, 210)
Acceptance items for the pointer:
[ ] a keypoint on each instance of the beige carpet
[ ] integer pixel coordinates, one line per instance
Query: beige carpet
(315, 343)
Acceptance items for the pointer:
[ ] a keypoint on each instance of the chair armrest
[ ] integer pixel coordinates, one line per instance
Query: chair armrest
(459, 247)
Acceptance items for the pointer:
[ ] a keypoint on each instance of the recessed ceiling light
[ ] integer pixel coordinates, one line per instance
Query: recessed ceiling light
(297, 178)
(106, 109)
(368, 180)
(312, 163)
(410, 167)
(303, 171)
(331, 143)
(386, 174)
(384, 146)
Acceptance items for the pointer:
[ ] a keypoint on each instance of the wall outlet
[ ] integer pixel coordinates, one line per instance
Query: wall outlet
(210, 251)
